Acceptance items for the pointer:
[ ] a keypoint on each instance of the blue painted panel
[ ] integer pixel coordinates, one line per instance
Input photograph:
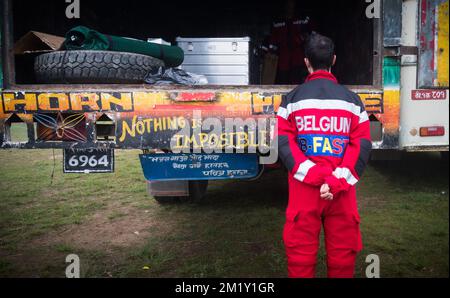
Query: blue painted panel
(322, 145)
(172, 166)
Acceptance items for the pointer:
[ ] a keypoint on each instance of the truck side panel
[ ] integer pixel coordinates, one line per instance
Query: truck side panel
(150, 119)
(424, 78)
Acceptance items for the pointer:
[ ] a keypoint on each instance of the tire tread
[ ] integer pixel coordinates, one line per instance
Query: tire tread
(100, 67)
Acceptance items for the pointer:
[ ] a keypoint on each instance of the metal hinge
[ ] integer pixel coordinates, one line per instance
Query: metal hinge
(400, 51)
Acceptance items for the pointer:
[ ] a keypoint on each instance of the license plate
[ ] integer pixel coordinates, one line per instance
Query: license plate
(429, 94)
(88, 160)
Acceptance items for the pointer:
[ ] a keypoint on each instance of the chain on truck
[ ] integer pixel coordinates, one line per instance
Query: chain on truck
(89, 103)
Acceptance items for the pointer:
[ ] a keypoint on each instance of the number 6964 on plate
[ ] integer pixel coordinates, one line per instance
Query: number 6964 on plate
(88, 160)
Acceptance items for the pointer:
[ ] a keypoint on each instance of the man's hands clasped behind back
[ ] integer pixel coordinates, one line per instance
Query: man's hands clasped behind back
(325, 192)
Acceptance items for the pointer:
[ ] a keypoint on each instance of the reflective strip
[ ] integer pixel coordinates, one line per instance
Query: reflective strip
(277, 25)
(363, 117)
(346, 174)
(303, 170)
(324, 104)
(282, 112)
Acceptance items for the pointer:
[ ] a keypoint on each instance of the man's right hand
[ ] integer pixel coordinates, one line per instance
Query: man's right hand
(325, 192)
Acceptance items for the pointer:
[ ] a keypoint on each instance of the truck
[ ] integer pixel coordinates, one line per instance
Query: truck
(392, 53)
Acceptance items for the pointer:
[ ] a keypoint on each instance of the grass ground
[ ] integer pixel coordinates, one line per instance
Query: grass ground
(119, 231)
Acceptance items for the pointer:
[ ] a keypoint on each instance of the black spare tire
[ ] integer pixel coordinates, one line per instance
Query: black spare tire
(101, 67)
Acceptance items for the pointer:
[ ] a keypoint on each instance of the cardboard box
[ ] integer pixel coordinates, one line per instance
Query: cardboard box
(37, 42)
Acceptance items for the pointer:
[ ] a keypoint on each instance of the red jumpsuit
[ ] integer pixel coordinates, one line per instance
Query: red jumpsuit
(324, 137)
(287, 36)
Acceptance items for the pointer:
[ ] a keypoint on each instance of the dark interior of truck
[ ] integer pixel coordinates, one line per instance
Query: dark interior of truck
(343, 21)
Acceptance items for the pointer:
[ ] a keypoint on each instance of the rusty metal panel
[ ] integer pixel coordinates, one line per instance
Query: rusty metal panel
(392, 19)
(443, 44)
(433, 44)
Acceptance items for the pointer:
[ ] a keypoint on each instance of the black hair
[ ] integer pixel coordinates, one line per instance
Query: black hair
(319, 50)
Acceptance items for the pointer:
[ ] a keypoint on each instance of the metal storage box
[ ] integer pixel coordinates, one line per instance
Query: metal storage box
(224, 61)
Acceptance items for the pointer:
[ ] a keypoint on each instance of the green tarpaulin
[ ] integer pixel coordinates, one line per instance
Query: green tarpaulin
(82, 38)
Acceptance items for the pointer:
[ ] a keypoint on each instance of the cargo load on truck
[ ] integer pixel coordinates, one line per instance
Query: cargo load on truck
(232, 43)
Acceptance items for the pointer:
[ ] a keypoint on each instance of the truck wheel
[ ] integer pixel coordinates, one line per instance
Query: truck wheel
(197, 190)
(100, 67)
(167, 200)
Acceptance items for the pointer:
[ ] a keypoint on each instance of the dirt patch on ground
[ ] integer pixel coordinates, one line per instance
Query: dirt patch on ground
(113, 227)
(368, 202)
(113, 231)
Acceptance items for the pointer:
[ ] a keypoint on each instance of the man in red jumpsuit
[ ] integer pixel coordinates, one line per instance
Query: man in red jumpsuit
(324, 142)
(287, 36)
